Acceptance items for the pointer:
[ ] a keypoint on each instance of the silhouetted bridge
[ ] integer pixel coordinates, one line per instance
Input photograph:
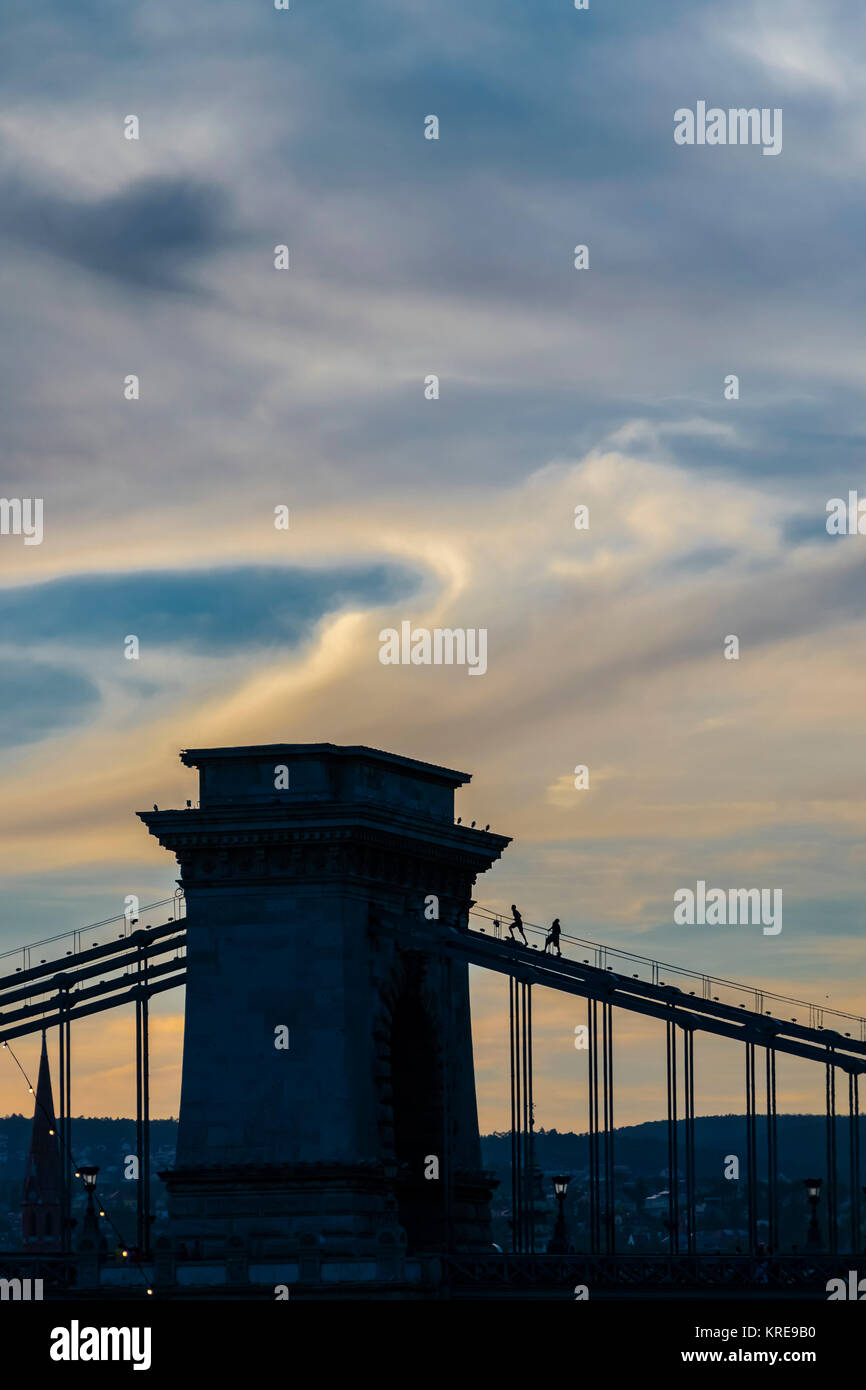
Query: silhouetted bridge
(147, 961)
(307, 871)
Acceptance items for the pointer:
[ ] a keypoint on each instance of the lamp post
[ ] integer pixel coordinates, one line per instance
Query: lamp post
(559, 1243)
(90, 1228)
(813, 1192)
(88, 1244)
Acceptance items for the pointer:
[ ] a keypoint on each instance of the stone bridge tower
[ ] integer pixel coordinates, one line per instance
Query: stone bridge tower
(327, 1063)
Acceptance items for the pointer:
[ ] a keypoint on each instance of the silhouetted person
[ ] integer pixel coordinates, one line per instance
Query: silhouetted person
(517, 921)
(552, 938)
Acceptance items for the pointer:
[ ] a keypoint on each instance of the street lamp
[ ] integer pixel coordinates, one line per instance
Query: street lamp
(90, 1225)
(813, 1192)
(559, 1242)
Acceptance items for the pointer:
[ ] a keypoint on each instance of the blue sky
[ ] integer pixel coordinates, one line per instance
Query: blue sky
(557, 387)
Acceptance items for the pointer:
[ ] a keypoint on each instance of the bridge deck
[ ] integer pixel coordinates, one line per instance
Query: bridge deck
(43, 993)
(660, 1001)
(43, 996)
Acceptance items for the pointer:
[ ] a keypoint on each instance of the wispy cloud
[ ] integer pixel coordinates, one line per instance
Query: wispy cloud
(305, 388)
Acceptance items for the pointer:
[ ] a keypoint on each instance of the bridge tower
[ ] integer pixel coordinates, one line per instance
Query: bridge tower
(328, 1119)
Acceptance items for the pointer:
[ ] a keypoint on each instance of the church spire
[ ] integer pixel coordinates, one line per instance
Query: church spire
(40, 1201)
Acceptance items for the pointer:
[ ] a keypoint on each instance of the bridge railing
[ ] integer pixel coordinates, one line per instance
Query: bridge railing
(657, 972)
(79, 939)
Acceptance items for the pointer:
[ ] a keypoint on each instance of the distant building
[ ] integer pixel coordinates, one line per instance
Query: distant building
(40, 1202)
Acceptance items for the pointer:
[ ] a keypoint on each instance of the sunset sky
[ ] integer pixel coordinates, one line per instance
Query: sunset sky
(305, 388)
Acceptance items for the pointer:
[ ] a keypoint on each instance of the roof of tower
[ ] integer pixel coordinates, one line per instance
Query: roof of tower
(194, 757)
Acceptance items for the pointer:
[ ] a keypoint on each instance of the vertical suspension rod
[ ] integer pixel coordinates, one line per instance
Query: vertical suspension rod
(751, 1156)
(61, 1130)
(139, 1130)
(530, 1162)
(515, 1109)
(673, 1158)
(854, 1156)
(607, 1114)
(145, 1114)
(592, 1057)
(689, 1133)
(832, 1196)
(772, 1155)
(526, 1176)
(66, 1026)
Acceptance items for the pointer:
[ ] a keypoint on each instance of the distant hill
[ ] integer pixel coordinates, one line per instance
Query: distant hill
(640, 1160)
(643, 1148)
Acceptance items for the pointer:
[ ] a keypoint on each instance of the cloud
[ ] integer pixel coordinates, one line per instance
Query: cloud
(38, 699)
(202, 612)
(602, 387)
(142, 237)
(411, 256)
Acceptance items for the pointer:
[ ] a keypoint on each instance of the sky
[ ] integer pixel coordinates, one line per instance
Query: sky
(558, 388)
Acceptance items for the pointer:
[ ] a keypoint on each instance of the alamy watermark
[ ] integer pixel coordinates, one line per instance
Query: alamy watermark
(736, 126)
(22, 516)
(443, 646)
(846, 519)
(855, 1289)
(714, 907)
(21, 1289)
(77, 1343)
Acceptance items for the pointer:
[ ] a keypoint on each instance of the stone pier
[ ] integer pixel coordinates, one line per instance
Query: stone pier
(328, 1122)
